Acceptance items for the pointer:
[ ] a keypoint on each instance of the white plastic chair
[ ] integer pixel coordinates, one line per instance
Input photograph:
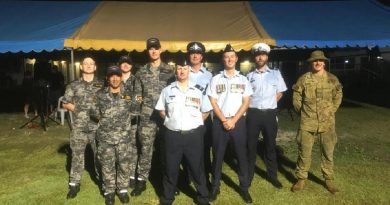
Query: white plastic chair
(62, 111)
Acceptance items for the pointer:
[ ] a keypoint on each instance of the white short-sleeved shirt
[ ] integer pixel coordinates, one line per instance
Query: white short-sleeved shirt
(183, 109)
(201, 79)
(265, 87)
(229, 92)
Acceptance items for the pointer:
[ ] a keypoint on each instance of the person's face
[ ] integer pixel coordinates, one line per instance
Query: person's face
(154, 54)
(125, 67)
(182, 72)
(196, 58)
(88, 66)
(114, 81)
(318, 65)
(261, 59)
(229, 60)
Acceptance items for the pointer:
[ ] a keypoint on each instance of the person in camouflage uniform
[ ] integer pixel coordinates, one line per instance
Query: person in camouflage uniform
(155, 75)
(112, 105)
(133, 85)
(78, 98)
(316, 97)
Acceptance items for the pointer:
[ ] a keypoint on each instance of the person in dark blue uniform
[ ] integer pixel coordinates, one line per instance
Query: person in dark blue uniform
(268, 87)
(229, 93)
(183, 108)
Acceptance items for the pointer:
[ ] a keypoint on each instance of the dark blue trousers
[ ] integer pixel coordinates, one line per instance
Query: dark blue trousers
(263, 121)
(190, 146)
(221, 137)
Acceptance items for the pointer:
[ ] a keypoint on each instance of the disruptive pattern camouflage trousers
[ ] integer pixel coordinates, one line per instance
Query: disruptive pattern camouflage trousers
(133, 150)
(148, 131)
(305, 140)
(78, 141)
(115, 176)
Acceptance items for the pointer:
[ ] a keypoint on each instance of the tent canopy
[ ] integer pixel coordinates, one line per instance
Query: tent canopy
(36, 26)
(127, 25)
(310, 24)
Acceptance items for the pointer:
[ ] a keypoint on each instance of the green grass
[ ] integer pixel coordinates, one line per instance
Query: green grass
(33, 165)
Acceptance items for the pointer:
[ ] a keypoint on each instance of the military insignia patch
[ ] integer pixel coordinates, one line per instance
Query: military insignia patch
(127, 98)
(98, 85)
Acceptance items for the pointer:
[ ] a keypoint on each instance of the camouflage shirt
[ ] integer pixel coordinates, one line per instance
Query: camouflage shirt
(317, 100)
(153, 83)
(112, 110)
(81, 94)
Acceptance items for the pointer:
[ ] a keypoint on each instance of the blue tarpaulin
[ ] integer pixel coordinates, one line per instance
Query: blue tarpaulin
(357, 23)
(40, 25)
(44, 25)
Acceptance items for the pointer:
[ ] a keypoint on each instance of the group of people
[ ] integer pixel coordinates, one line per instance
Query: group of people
(194, 112)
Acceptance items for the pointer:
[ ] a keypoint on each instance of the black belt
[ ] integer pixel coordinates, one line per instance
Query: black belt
(186, 132)
(263, 110)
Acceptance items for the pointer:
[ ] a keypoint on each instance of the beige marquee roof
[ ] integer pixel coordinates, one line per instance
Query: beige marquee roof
(127, 25)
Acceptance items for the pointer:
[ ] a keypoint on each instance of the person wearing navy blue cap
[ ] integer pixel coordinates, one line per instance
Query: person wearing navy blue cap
(155, 75)
(268, 87)
(183, 108)
(229, 93)
(201, 77)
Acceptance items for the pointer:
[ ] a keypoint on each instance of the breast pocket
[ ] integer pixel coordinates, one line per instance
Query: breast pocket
(170, 104)
(310, 91)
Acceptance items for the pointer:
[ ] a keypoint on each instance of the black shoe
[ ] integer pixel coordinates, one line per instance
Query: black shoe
(275, 182)
(177, 192)
(123, 197)
(246, 196)
(202, 203)
(132, 183)
(213, 194)
(165, 203)
(109, 198)
(73, 190)
(140, 186)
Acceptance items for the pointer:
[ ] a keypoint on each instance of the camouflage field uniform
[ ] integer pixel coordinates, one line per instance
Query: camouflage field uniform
(81, 94)
(133, 85)
(113, 137)
(317, 100)
(153, 83)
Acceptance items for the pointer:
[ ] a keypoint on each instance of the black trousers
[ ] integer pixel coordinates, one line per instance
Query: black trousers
(221, 138)
(263, 121)
(189, 145)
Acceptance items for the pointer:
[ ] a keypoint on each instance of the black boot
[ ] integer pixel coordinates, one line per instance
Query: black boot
(246, 196)
(123, 197)
(140, 186)
(213, 194)
(73, 190)
(109, 198)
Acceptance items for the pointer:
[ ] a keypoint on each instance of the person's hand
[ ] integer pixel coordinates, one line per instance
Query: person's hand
(69, 106)
(229, 124)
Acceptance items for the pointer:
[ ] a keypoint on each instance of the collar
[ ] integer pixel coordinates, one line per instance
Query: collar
(191, 86)
(236, 73)
(202, 69)
(267, 70)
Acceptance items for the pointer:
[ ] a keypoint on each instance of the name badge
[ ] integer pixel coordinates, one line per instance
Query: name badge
(192, 102)
(237, 88)
(127, 98)
(221, 88)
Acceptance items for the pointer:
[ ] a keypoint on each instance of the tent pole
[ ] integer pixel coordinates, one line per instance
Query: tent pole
(72, 60)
